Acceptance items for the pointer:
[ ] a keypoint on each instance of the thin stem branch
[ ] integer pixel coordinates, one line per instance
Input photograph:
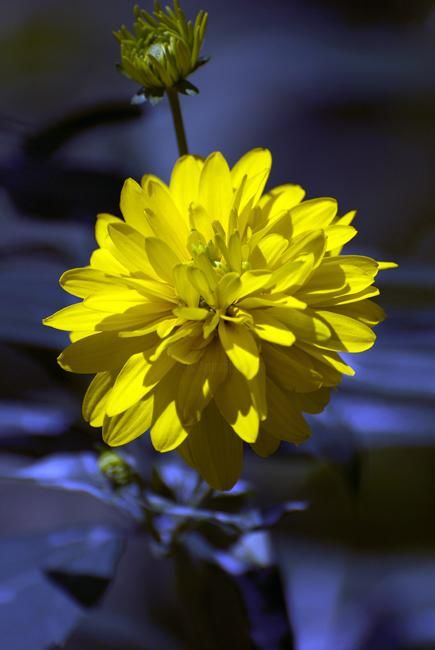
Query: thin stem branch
(177, 117)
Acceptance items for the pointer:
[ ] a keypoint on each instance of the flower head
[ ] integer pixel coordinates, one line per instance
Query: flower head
(214, 314)
(163, 50)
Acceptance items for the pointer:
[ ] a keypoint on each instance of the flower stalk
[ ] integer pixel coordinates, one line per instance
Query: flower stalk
(177, 117)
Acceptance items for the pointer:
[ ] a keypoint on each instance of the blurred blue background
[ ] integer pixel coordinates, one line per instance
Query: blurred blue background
(344, 96)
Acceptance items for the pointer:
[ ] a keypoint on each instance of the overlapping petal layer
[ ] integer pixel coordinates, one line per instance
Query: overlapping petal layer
(214, 314)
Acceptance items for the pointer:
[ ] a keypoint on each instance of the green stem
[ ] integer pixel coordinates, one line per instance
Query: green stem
(177, 117)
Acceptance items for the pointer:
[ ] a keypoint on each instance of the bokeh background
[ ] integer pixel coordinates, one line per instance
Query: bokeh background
(343, 93)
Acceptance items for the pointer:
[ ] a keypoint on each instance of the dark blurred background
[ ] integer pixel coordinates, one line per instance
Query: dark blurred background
(343, 93)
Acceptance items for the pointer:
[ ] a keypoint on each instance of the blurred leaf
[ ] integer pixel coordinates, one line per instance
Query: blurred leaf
(250, 519)
(346, 599)
(48, 140)
(33, 256)
(270, 626)
(36, 286)
(74, 472)
(412, 284)
(27, 419)
(60, 191)
(172, 480)
(35, 613)
(236, 584)
(214, 614)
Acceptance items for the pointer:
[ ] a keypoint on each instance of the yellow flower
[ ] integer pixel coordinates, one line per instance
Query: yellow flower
(213, 314)
(163, 50)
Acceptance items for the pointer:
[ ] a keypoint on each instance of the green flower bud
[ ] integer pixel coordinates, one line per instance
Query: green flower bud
(115, 468)
(163, 50)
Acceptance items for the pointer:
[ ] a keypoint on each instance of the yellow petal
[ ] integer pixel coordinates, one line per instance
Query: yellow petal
(280, 199)
(268, 251)
(271, 300)
(187, 350)
(164, 218)
(95, 399)
(265, 445)
(79, 317)
(306, 243)
(99, 352)
(103, 260)
(167, 430)
(199, 383)
(314, 402)
(338, 236)
(215, 191)
(200, 221)
(337, 278)
(184, 184)
(255, 165)
(214, 450)
(383, 266)
(76, 336)
(348, 334)
(132, 204)
(211, 324)
(187, 329)
(304, 324)
(74, 317)
(305, 247)
(82, 282)
(345, 220)
(327, 359)
(167, 433)
(161, 257)
(165, 328)
(129, 385)
(132, 319)
(241, 348)
(191, 313)
(151, 289)
(129, 425)
(284, 420)
(119, 298)
(291, 368)
(252, 281)
(233, 399)
(203, 263)
(362, 263)
(235, 252)
(292, 275)
(101, 225)
(313, 214)
(201, 284)
(184, 287)
(366, 311)
(257, 388)
(228, 289)
(343, 298)
(129, 249)
(271, 329)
